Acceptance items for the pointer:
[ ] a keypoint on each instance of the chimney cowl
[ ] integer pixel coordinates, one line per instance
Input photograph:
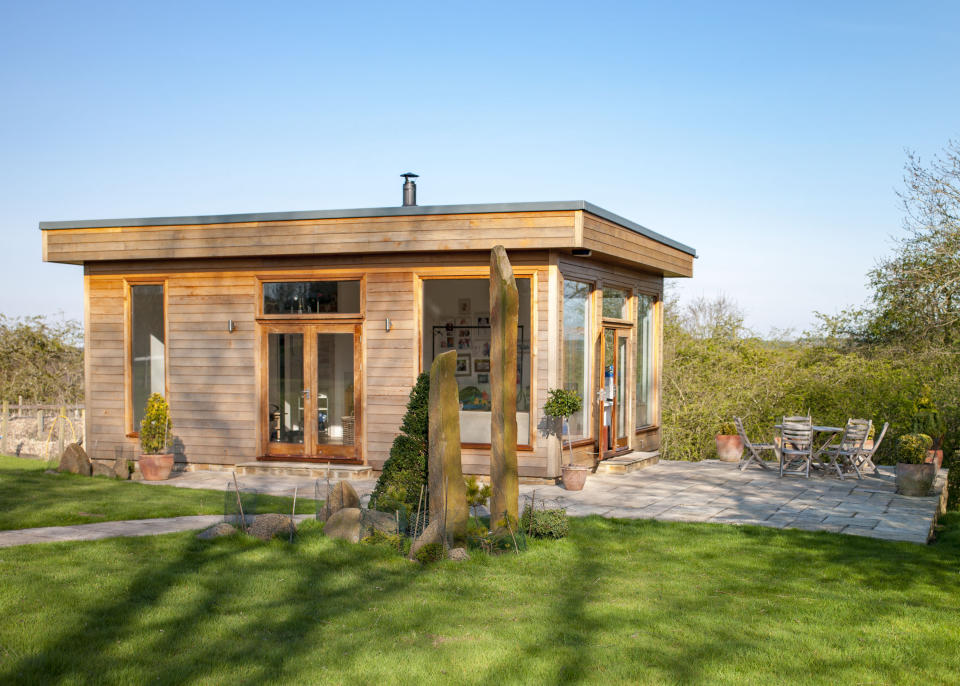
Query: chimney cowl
(409, 189)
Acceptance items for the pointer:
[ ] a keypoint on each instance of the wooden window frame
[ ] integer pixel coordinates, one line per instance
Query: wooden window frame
(480, 273)
(590, 345)
(261, 279)
(631, 292)
(656, 340)
(128, 284)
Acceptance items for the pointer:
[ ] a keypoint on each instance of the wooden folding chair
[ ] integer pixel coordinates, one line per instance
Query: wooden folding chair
(845, 455)
(753, 449)
(796, 446)
(865, 458)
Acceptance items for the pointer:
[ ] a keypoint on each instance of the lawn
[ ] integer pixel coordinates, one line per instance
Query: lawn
(618, 602)
(30, 498)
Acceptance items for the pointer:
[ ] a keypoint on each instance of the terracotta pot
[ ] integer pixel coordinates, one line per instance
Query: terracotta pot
(156, 467)
(915, 479)
(574, 476)
(935, 457)
(729, 448)
(868, 444)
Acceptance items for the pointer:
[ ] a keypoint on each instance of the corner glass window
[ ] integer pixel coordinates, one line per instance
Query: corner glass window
(147, 342)
(576, 352)
(615, 303)
(644, 385)
(311, 297)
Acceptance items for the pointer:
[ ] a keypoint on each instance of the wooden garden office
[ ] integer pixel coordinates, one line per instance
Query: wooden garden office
(296, 337)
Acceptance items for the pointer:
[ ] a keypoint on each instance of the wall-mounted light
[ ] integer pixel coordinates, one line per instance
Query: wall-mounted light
(582, 252)
(231, 326)
(388, 323)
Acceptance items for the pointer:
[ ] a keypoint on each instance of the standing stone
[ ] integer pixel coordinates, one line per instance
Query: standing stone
(444, 469)
(74, 460)
(504, 312)
(341, 496)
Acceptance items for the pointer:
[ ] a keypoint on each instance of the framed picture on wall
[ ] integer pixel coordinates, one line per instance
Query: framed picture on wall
(463, 306)
(463, 365)
(483, 378)
(481, 365)
(483, 321)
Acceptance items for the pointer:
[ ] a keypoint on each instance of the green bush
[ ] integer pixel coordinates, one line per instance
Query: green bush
(953, 482)
(431, 552)
(394, 541)
(727, 429)
(562, 404)
(544, 523)
(156, 426)
(405, 471)
(912, 448)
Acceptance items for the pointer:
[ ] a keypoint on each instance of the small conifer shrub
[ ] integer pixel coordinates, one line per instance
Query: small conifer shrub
(156, 426)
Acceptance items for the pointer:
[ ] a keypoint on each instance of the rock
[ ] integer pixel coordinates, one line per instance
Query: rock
(432, 534)
(217, 530)
(266, 526)
(115, 470)
(75, 460)
(458, 554)
(444, 470)
(352, 523)
(504, 310)
(50, 471)
(344, 524)
(341, 496)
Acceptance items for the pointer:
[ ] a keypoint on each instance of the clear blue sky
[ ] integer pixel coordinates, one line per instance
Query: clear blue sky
(769, 135)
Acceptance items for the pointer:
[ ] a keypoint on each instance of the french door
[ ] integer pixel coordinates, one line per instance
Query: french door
(612, 396)
(310, 396)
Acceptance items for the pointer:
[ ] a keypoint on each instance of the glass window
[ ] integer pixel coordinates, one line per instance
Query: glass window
(147, 342)
(615, 303)
(644, 384)
(285, 387)
(576, 352)
(311, 297)
(456, 316)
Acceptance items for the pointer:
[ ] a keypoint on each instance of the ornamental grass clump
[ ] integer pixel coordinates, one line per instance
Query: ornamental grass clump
(156, 427)
(912, 448)
(544, 523)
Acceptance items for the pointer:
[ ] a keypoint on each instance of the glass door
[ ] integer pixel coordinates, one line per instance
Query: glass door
(312, 392)
(612, 404)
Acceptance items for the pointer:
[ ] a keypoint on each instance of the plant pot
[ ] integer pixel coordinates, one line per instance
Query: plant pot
(574, 476)
(729, 448)
(868, 444)
(915, 479)
(156, 467)
(935, 457)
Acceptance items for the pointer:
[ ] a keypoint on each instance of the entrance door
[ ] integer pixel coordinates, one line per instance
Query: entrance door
(312, 392)
(612, 404)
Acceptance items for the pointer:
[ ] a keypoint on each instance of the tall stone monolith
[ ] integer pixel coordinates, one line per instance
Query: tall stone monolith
(504, 310)
(448, 493)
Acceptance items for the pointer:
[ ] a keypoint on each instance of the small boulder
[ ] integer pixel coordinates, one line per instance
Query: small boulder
(345, 524)
(266, 526)
(75, 460)
(217, 530)
(115, 470)
(458, 554)
(384, 522)
(341, 496)
(432, 534)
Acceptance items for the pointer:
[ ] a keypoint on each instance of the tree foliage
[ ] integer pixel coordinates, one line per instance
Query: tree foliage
(41, 360)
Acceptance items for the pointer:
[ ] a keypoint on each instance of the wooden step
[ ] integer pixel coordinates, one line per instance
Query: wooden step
(624, 464)
(313, 470)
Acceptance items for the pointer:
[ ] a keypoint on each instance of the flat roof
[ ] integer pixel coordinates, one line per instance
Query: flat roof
(403, 211)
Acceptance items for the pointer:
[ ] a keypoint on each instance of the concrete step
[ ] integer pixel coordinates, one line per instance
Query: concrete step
(313, 470)
(624, 464)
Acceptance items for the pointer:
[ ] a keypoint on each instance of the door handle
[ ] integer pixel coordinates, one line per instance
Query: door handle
(306, 392)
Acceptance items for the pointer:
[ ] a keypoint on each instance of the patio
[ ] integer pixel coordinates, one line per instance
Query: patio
(708, 491)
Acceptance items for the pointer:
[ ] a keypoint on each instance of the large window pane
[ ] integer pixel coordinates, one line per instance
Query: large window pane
(644, 383)
(456, 316)
(335, 406)
(147, 339)
(285, 387)
(615, 303)
(576, 352)
(311, 297)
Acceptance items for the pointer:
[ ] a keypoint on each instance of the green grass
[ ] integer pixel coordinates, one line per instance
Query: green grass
(615, 603)
(30, 498)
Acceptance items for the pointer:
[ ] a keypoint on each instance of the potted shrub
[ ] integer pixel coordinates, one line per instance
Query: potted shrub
(560, 405)
(155, 463)
(914, 476)
(927, 420)
(729, 443)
